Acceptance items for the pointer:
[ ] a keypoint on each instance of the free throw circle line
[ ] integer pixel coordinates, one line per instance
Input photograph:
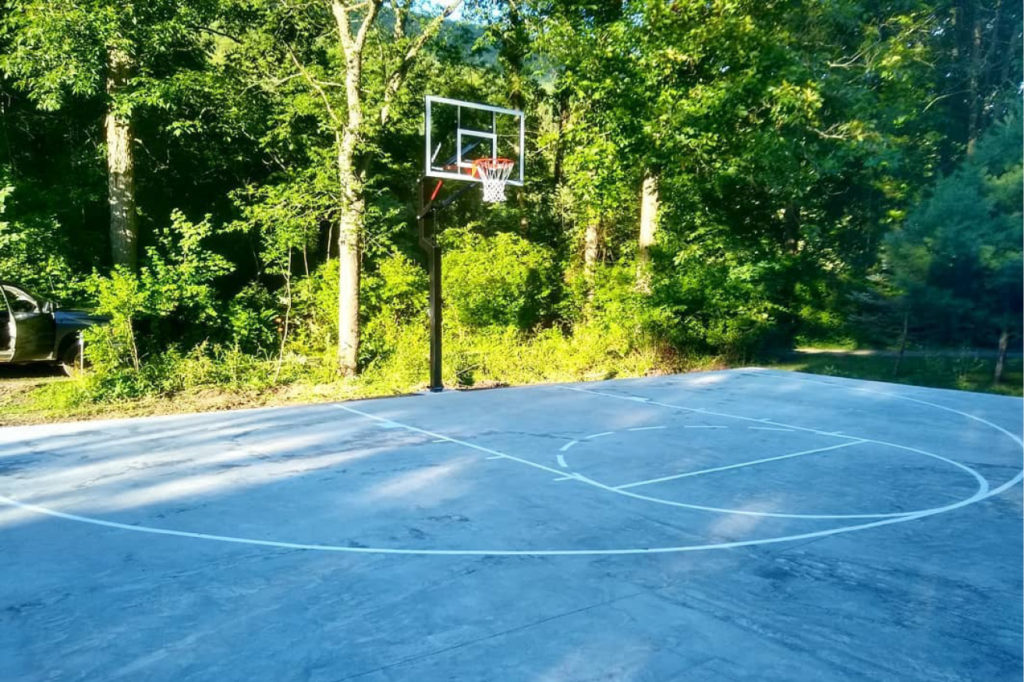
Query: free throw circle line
(499, 552)
(542, 552)
(739, 465)
(983, 484)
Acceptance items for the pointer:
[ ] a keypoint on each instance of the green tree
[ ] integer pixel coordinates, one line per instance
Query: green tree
(32, 253)
(957, 261)
(321, 45)
(785, 137)
(61, 52)
(168, 302)
(977, 60)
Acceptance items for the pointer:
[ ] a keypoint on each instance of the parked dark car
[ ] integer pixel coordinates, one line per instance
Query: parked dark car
(32, 329)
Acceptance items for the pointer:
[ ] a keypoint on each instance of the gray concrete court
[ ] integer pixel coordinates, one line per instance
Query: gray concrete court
(736, 525)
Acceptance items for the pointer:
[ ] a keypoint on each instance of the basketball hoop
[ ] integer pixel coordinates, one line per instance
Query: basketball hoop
(468, 143)
(493, 173)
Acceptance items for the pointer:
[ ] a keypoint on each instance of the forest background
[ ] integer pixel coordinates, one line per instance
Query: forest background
(709, 183)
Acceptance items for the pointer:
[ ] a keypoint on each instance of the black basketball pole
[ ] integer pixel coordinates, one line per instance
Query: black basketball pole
(429, 243)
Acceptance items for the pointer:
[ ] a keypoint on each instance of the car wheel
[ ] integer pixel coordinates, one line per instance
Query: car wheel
(71, 359)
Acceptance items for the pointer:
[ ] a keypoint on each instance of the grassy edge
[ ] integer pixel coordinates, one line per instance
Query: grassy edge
(46, 400)
(956, 372)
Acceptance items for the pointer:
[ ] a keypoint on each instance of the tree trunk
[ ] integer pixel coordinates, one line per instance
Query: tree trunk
(648, 229)
(591, 250)
(350, 226)
(348, 288)
(789, 316)
(350, 176)
(1009, 54)
(513, 53)
(974, 91)
(562, 100)
(1004, 341)
(989, 79)
(120, 165)
(903, 343)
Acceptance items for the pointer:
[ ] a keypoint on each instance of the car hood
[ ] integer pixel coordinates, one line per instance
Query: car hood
(79, 317)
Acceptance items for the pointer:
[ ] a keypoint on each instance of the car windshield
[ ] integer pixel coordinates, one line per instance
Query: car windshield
(20, 300)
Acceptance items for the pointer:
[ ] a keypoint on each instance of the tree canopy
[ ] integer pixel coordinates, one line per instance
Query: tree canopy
(720, 177)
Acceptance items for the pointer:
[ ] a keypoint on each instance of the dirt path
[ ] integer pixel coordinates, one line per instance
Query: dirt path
(16, 381)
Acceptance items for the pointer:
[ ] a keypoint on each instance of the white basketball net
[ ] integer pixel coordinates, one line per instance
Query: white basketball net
(494, 174)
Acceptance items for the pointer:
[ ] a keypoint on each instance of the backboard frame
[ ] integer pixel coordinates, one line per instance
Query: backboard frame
(461, 134)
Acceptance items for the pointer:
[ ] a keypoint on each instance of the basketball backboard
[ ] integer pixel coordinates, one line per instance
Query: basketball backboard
(457, 133)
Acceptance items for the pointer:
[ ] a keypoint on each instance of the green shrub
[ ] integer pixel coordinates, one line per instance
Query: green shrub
(502, 280)
(394, 299)
(166, 310)
(252, 316)
(714, 302)
(315, 311)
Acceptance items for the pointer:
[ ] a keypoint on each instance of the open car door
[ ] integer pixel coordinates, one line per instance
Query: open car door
(35, 331)
(8, 330)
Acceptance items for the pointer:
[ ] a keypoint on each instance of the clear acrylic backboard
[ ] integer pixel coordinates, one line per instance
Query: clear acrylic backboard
(457, 133)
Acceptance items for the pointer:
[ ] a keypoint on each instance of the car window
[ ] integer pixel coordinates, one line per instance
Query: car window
(19, 301)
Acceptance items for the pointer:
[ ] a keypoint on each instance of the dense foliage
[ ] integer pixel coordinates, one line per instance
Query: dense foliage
(844, 171)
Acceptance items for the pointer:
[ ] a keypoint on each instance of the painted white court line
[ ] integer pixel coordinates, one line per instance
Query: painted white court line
(688, 474)
(561, 461)
(473, 446)
(904, 397)
(701, 410)
(599, 435)
(769, 428)
(646, 428)
(983, 485)
(507, 552)
(983, 493)
(568, 445)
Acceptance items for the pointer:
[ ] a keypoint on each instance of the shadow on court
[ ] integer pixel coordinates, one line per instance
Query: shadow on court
(727, 525)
